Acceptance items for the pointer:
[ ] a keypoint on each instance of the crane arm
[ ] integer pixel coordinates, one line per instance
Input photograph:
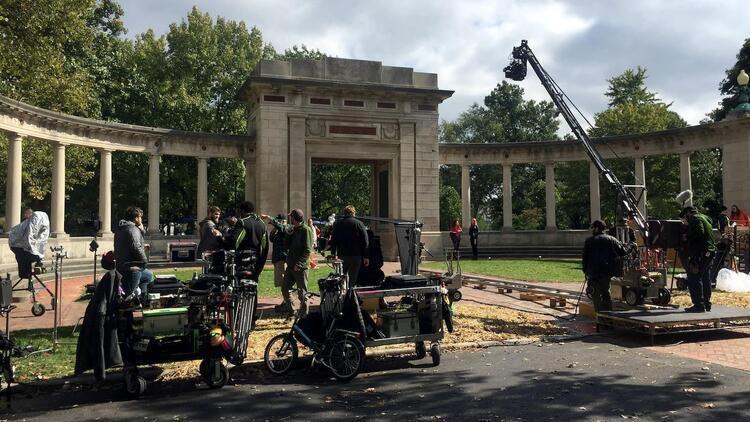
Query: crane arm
(516, 70)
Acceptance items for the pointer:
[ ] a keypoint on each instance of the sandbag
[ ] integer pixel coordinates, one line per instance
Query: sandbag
(732, 281)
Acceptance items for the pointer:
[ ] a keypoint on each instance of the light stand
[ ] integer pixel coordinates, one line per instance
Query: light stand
(59, 254)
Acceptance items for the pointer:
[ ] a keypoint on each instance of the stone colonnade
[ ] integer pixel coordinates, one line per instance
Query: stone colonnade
(57, 215)
(550, 201)
(19, 121)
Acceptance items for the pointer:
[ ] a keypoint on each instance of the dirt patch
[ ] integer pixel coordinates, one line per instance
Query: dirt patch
(472, 323)
(740, 300)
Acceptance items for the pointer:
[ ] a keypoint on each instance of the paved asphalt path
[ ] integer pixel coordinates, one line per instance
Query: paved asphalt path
(585, 379)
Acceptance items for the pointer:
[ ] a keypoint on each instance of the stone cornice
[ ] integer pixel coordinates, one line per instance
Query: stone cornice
(673, 141)
(28, 120)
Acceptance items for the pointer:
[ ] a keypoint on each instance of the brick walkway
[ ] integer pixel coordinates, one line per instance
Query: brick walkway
(729, 347)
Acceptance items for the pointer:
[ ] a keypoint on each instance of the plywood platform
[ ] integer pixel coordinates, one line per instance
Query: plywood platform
(665, 321)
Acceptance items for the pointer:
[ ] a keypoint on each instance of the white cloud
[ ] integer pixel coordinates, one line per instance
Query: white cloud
(685, 45)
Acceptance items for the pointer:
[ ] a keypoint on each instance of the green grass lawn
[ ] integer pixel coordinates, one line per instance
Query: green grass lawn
(45, 365)
(265, 284)
(544, 270)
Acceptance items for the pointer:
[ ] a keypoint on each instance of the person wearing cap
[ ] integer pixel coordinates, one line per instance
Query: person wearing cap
(601, 258)
(700, 249)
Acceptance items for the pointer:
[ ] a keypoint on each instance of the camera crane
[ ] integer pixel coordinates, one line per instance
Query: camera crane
(516, 71)
(644, 270)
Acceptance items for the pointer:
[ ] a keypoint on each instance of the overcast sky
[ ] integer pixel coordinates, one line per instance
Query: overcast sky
(685, 45)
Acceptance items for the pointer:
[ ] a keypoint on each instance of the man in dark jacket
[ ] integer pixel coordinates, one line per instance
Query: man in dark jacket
(601, 254)
(249, 234)
(700, 251)
(209, 232)
(130, 253)
(278, 255)
(98, 347)
(350, 243)
(299, 243)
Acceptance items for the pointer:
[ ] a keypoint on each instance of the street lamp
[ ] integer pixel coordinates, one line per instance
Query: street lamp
(744, 105)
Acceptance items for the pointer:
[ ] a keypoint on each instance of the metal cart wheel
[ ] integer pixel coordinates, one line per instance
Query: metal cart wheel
(346, 357)
(456, 295)
(217, 374)
(632, 297)
(280, 354)
(435, 353)
(135, 385)
(420, 349)
(37, 309)
(663, 297)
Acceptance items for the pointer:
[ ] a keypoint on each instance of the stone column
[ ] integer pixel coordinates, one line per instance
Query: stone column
(465, 195)
(594, 194)
(202, 187)
(685, 179)
(549, 190)
(249, 180)
(13, 180)
(105, 192)
(507, 197)
(58, 190)
(153, 194)
(640, 179)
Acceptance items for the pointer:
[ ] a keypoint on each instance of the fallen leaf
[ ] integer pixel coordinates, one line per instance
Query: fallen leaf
(708, 405)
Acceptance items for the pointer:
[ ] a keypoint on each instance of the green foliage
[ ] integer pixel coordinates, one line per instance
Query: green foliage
(504, 117)
(629, 88)
(573, 207)
(450, 206)
(296, 52)
(728, 86)
(636, 110)
(53, 57)
(336, 186)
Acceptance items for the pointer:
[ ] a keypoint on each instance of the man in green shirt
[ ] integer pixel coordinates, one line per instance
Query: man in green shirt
(299, 246)
(700, 248)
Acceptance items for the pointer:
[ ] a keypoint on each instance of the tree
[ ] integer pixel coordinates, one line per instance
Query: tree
(336, 186)
(51, 51)
(450, 206)
(296, 52)
(187, 80)
(504, 117)
(728, 86)
(633, 109)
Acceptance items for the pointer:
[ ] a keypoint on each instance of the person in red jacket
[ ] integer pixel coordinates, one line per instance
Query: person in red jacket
(456, 231)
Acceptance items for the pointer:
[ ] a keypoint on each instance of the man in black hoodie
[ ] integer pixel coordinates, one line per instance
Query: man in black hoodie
(209, 232)
(350, 243)
(249, 235)
(130, 254)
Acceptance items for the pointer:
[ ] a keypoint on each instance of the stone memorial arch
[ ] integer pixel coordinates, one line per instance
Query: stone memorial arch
(304, 112)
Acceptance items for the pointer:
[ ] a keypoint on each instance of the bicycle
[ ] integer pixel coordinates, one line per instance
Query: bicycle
(337, 349)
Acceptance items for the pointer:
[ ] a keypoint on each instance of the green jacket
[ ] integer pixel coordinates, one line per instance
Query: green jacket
(700, 236)
(299, 243)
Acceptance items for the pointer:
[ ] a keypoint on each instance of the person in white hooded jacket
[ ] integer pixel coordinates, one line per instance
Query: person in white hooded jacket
(28, 240)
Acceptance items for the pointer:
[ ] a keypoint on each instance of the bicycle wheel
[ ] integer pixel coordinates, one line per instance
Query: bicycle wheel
(345, 357)
(280, 353)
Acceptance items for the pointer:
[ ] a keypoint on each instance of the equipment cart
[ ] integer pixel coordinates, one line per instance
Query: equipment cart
(209, 319)
(421, 322)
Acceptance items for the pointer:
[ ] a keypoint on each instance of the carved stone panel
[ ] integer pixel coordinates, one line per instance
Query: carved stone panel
(315, 127)
(390, 131)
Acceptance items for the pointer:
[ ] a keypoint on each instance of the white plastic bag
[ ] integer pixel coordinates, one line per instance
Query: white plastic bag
(732, 281)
